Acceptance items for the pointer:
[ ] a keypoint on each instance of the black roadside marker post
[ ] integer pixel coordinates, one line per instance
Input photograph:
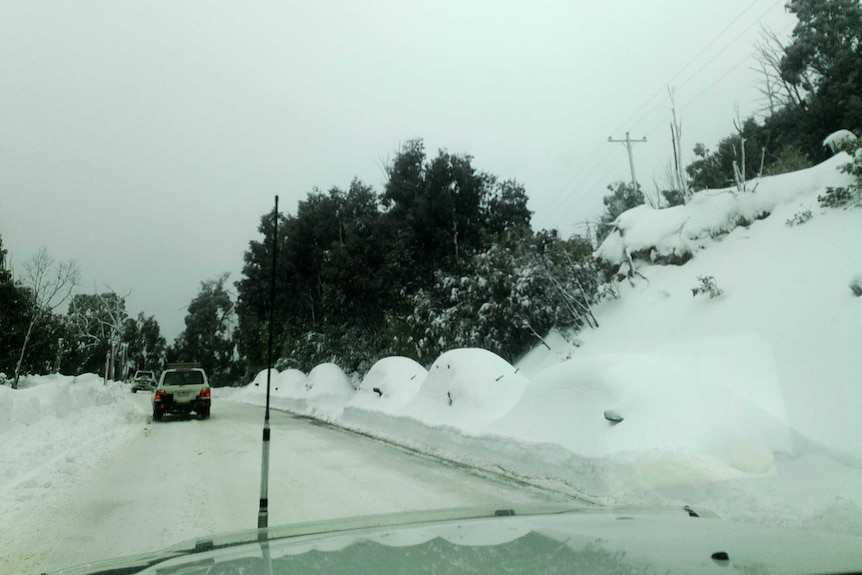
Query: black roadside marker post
(263, 512)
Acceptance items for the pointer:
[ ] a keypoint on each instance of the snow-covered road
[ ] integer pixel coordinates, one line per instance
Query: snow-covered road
(179, 479)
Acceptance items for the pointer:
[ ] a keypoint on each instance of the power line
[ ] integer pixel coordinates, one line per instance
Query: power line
(722, 77)
(584, 175)
(658, 92)
(581, 176)
(711, 60)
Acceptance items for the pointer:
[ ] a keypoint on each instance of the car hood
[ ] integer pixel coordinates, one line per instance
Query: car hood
(543, 539)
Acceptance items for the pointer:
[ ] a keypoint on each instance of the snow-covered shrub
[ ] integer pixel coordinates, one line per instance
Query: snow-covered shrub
(838, 197)
(706, 286)
(505, 300)
(799, 218)
(840, 141)
(856, 285)
(846, 196)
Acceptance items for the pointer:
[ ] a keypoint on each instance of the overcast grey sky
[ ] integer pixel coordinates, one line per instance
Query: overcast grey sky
(145, 139)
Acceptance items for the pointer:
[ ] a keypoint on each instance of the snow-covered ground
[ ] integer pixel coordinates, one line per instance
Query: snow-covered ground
(87, 476)
(746, 404)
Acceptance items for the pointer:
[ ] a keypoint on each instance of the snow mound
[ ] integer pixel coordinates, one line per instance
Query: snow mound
(260, 379)
(54, 419)
(668, 401)
(55, 397)
(389, 385)
(291, 383)
(254, 391)
(467, 387)
(680, 231)
(288, 383)
(328, 389)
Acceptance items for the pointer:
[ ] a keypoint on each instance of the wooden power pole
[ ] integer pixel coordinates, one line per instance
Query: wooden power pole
(629, 143)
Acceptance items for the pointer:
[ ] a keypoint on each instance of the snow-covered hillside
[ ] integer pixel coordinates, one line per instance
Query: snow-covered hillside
(746, 402)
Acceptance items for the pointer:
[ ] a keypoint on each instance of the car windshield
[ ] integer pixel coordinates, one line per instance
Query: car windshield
(394, 257)
(191, 377)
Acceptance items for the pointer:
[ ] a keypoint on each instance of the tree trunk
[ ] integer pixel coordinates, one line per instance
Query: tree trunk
(23, 350)
(59, 355)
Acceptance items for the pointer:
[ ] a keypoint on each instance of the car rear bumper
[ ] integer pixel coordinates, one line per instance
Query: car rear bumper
(170, 406)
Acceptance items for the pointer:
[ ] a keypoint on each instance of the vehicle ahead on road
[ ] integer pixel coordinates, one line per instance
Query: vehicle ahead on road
(183, 388)
(144, 380)
(540, 539)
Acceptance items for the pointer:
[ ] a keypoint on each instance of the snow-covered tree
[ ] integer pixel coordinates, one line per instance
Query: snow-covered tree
(507, 299)
(623, 197)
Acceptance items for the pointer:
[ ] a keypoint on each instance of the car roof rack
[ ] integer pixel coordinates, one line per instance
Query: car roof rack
(186, 365)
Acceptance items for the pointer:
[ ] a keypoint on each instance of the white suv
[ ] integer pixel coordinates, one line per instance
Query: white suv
(143, 381)
(183, 388)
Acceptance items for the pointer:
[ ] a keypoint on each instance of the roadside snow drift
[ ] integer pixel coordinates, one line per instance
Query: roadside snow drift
(467, 388)
(389, 385)
(683, 230)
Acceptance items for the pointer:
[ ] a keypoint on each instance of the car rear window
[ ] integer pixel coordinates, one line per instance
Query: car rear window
(183, 378)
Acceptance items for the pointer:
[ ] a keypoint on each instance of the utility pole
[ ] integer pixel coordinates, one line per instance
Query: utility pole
(629, 143)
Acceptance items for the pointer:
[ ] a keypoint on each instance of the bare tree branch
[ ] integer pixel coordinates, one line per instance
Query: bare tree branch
(769, 52)
(51, 284)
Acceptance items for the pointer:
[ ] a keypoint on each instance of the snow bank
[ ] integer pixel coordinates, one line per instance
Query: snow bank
(681, 230)
(671, 402)
(466, 388)
(389, 385)
(287, 391)
(42, 400)
(328, 391)
(53, 427)
(785, 335)
(290, 383)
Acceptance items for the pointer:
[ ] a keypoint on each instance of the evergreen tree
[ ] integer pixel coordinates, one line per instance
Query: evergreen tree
(253, 292)
(208, 336)
(146, 346)
(15, 303)
(349, 261)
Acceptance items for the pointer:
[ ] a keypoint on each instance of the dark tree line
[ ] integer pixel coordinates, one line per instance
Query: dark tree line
(208, 338)
(362, 275)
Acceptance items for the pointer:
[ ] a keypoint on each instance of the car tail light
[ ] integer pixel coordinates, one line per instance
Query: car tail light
(205, 392)
(160, 395)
